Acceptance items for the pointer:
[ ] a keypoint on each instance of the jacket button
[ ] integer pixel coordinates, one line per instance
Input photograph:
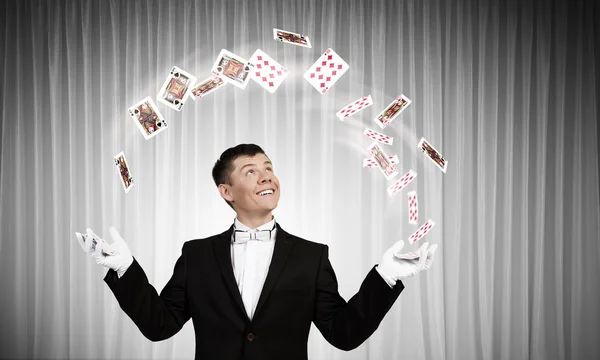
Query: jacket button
(250, 336)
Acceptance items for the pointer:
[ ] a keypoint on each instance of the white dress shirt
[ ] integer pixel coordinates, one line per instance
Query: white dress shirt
(251, 261)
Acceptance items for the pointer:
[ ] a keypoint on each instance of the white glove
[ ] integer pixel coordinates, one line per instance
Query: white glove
(395, 269)
(116, 256)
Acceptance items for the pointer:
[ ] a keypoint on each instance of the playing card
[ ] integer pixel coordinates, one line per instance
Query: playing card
(382, 160)
(147, 118)
(267, 72)
(382, 138)
(326, 71)
(354, 107)
(289, 37)
(123, 171)
(369, 162)
(400, 184)
(105, 248)
(424, 229)
(232, 68)
(432, 154)
(176, 88)
(413, 211)
(207, 86)
(409, 255)
(392, 111)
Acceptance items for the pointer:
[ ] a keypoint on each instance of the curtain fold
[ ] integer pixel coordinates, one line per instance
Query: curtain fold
(506, 91)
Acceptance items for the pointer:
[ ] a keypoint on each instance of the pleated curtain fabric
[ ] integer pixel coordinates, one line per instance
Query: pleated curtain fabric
(506, 91)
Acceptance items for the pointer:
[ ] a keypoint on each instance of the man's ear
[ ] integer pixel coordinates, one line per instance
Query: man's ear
(225, 192)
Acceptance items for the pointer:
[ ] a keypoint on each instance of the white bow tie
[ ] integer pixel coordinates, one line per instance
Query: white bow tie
(241, 237)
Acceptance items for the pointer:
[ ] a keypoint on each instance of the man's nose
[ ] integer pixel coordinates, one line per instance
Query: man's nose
(265, 178)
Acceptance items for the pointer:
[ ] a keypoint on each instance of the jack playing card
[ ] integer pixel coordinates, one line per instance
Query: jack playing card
(383, 161)
(413, 211)
(424, 229)
(147, 118)
(232, 68)
(267, 72)
(382, 138)
(176, 88)
(392, 111)
(326, 71)
(432, 154)
(123, 171)
(400, 184)
(354, 107)
(207, 86)
(369, 162)
(289, 37)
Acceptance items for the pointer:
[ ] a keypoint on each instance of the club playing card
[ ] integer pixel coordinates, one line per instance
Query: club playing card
(289, 37)
(147, 118)
(354, 107)
(424, 229)
(326, 71)
(409, 255)
(392, 111)
(232, 68)
(176, 88)
(105, 248)
(382, 160)
(369, 162)
(382, 138)
(400, 184)
(123, 171)
(267, 72)
(432, 154)
(413, 211)
(207, 86)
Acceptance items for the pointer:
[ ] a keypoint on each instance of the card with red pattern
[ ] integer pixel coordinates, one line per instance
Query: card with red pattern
(354, 107)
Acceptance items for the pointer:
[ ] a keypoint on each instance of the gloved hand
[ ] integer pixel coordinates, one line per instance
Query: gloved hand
(116, 256)
(395, 269)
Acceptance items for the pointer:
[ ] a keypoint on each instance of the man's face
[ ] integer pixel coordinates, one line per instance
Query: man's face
(251, 178)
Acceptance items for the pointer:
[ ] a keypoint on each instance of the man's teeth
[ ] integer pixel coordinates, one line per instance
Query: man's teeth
(265, 192)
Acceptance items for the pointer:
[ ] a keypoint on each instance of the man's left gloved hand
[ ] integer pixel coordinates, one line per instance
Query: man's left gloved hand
(395, 269)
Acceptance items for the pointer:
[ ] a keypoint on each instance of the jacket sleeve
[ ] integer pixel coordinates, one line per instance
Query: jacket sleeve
(347, 325)
(157, 317)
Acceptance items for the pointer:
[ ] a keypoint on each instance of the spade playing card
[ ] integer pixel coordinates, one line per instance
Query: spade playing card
(267, 72)
(289, 37)
(123, 171)
(147, 118)
(176, 88)
(232, 68)
(326, 71)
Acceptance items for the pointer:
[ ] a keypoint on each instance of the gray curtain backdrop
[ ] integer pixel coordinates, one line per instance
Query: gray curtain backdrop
(507, 91)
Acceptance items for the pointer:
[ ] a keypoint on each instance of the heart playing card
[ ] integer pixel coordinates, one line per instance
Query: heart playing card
(326, 71)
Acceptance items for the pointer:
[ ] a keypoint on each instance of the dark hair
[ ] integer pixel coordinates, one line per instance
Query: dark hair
(224, 166)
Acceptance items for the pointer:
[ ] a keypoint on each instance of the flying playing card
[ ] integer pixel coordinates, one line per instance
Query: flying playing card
(432, 154)
(369, 162)
(232, 68)
(382, 138)
(267, 72)
(400, 184)
(326, 71)
(424, 229)
(123, 171)
(413, 211)
(383, 161)
(392, 111)
(207, 86)
(176, 88)
(354, 107)
(289, 37)
(147, 118)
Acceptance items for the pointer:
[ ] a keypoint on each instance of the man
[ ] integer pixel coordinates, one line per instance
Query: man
(253, 290)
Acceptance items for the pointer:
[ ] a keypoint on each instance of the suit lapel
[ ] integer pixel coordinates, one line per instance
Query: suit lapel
(281, 253)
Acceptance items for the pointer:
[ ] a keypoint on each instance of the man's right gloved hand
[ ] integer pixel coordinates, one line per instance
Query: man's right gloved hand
(116, 256)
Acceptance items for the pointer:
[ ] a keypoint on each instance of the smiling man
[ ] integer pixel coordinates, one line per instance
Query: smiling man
(253, 290)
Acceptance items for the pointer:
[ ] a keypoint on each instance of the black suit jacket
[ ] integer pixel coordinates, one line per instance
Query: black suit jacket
(300, 287)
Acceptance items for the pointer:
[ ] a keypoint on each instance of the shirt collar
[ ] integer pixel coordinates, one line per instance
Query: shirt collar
(238, 225)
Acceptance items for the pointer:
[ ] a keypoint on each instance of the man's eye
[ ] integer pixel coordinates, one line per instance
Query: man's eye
(269, 169)
(250, 172)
